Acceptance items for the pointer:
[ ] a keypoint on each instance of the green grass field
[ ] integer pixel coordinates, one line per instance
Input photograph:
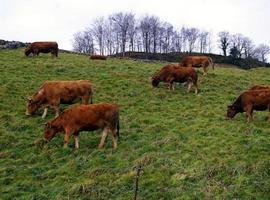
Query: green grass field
(187, 149)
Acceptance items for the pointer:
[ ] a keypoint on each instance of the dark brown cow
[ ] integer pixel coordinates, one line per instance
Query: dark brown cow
(248, 101)
(42, 47)
(259, 87)
(85, 118)
(174, 73)
(198, 61)
(97, 57)
(52, 93)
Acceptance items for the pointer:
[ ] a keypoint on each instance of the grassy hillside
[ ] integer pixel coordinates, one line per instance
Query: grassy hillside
(186, 147)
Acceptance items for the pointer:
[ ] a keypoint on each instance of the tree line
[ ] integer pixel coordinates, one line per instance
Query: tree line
(121, 32)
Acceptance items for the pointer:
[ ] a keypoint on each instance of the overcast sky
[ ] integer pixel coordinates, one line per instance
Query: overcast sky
(58, 20)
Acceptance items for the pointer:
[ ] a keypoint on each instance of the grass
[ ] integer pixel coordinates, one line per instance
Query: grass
(186, 147)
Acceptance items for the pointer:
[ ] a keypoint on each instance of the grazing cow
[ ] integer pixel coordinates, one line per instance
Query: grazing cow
(198, 61)
(85, 118)
(52, 93)
(173, 73)
(42, 47)
(97, 57)
(259, 87)
(248, 101)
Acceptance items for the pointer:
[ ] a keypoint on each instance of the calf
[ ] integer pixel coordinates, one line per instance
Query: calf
(248, 101)
(97, 57)
(85, 118)
(52, 93)
(198, 61)
(174, 73)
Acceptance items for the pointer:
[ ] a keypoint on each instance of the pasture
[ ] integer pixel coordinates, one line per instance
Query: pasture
(187, 149)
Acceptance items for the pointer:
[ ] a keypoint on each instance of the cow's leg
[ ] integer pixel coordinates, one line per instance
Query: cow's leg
(248, 111)
(56, 107)
(195, 83)
(196, 88)
(103, 137)
(85, 99)
(169, 86)
(57, 111)
(67, 136)
(189, 86)
(205, 69)
(172, 86)
(76, 140)
(114, 138)
(45, 112)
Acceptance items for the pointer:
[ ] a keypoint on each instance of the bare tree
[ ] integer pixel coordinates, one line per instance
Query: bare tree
(167, 36)
(145, 27)
(83, 42)
(98, 32)
(131, 35)
(108, 35)
(155, 24)
(123, 21)
(261, 52)
(203, 41)
(192, 36)
(224, 38)
(248, 47)
(237, 43)
(183, 33)
(177, 41)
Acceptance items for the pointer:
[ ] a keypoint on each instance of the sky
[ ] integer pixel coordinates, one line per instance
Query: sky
(58, 20)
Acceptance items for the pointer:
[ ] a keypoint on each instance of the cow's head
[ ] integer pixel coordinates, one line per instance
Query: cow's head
(27, 51)
(155, 81)
(31, 107)
(231, 112)
(49, 131)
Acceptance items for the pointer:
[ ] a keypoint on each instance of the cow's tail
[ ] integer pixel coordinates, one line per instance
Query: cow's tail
(212, 63)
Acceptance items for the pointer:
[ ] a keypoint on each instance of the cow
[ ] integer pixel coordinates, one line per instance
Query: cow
(97, 57)
(42, 47)
(248, 101)
(52, 93)
(259, 87)
(175, 73)
(78, 118)
(198, 61)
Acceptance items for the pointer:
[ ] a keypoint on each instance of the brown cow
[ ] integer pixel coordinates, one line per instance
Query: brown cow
(52, 93)
(97, 57)
(198, 61)
(248, 101)
(174, 73)
(259, 87)
(85, 118)
(42, 47)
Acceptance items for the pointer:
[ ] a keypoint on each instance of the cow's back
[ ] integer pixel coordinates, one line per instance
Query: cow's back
(259, 87)
(91, 117)
(45, 45)
(66, 90)
(256, 97)
(165, 72)
(195, 61)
